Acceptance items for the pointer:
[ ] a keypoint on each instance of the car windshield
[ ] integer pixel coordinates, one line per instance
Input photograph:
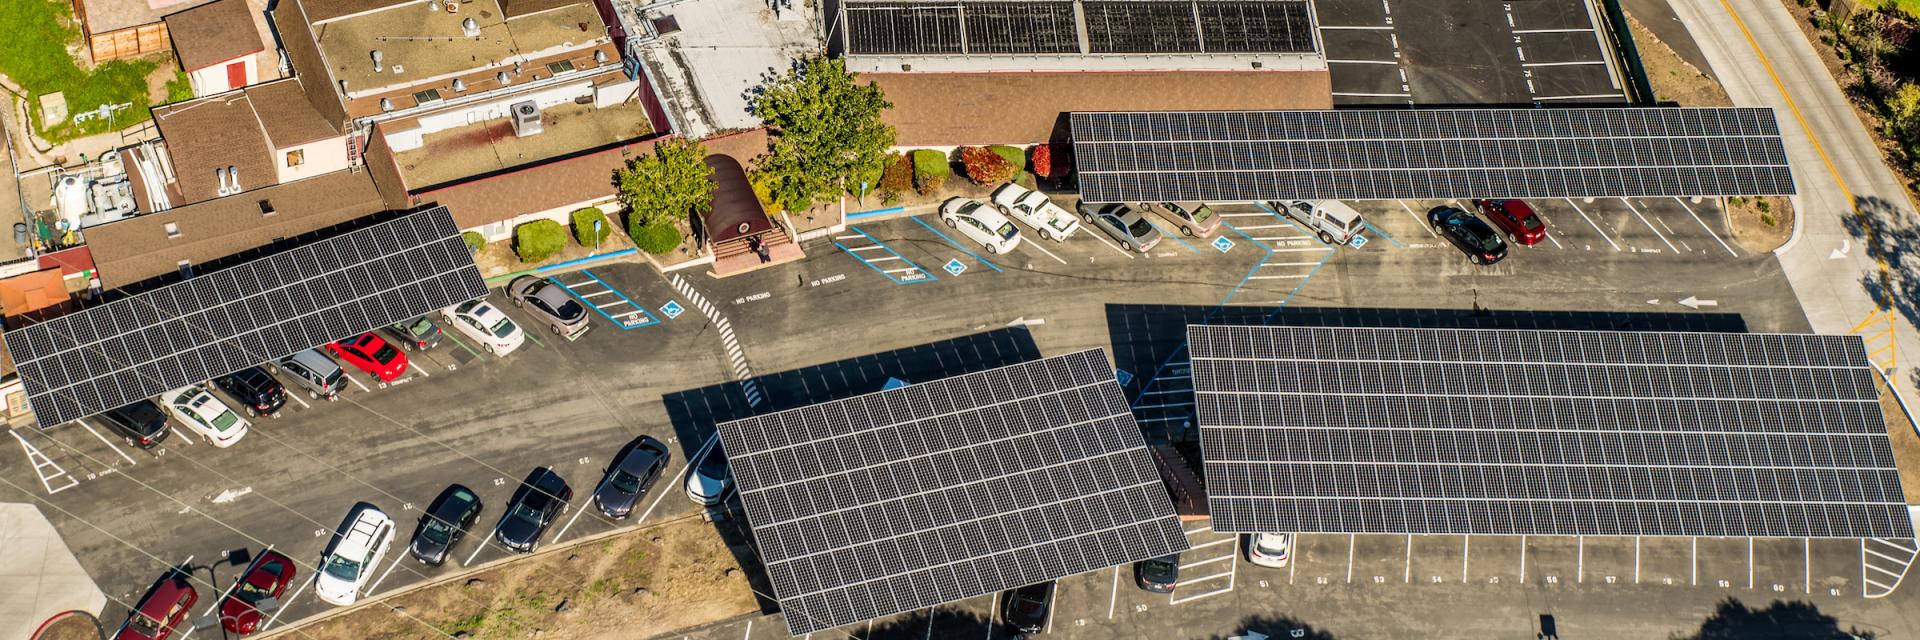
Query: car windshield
(1140, 228)
(420, 327)
(436, 530)
(144, 624)
(715, 466)
(1531, 223)
(1487, 241)
(342, 567)
(225, 421)
(625, 482)
(1007, 231)
(503, 328)
(1202, 214)
(968, 206)
(527, 512)
(386, 354)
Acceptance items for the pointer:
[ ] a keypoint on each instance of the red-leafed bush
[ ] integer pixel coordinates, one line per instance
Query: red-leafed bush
(986, 167)
(1051, 163)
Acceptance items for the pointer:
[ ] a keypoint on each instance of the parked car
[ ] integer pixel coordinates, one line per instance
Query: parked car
(256, 391)
(981, 224)
(480, 322)
(446, 520)
(1194, 219)
(1523, 226)
(315, 372)
(159, 613)
(1158, 575)
(142, 423)
(371, 354)
(1124, 224)
(206, 415)
(418, 334)
(630, 475)
(267, 577)
(352, 558)
(710, 478)
(1332, 221)
(1269, 549)
(541, 498)
(1026, 608)
(1034, 209)
(549, 304)
(1469, 234)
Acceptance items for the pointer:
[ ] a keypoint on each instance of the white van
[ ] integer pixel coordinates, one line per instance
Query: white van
(1332, 220)
(354, 556)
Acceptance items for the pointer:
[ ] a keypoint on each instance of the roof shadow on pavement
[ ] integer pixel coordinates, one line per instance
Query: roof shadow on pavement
(695, 412)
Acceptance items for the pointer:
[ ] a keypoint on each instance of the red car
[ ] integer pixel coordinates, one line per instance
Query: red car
(1522, 225)
(165, 607)
(372, 355)
(267, 577)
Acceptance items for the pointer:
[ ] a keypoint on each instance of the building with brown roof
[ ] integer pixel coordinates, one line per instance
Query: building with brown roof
(217, 45)
(233, 142)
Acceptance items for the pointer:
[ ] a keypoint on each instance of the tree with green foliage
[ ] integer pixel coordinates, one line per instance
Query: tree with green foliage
(590, 226)
(475, 241)
(930, 171)
(1903, 119)
(666, 187)
(538, 240)
(826, 133)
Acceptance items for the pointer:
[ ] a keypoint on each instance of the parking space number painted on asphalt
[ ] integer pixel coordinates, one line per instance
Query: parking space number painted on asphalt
(1223, 244)
(672, 309)
(954, 267)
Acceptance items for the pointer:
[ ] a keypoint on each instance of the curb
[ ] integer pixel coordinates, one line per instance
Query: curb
(66, 614)
(1799, 223)
(577, 263)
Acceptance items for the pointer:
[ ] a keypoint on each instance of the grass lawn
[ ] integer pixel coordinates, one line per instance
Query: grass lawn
(1909, 7)
(35, 57)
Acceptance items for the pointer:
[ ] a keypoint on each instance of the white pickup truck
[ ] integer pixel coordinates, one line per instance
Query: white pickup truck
(1033, 209)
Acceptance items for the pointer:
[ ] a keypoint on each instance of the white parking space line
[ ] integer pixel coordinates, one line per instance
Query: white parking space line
(1113, 599)
(993, 612)
(1580, 559)
(1466, 552)
(483, 542)
(1749, 562)
(420, 370)
(1330, 27)
(883, 258)
(1416, 218)
(109, 443)
(1050, 254)
(296, 398)
(1575, 63)
(1709, 230)
(1589, 96)
(1393, 62)
(1350, 558)
(1636, 559)
(1643, 220)
(1301, 276)
(357, 383)
(1575, 30)
(1409, 564)
(1523, 559)
(181, 436)
(1596, 226)
(1556, 241)
(287, 604)
(576, 516)
(383, 575)
(1806, 550)
(1256, 214)
(1204, 562)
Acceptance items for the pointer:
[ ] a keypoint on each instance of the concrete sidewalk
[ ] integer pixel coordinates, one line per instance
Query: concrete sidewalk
(39, 577)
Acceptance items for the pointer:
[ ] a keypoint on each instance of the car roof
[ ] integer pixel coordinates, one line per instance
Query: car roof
(165, 591)
(313, 359)
(483, 311)
(549, 293)
(141, 409)
(358, 542)
(451, 497)
(1519, 208)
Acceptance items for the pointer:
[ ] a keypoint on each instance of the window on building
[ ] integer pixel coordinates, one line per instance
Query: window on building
(296, 157)
(560, 67)
(430, 95)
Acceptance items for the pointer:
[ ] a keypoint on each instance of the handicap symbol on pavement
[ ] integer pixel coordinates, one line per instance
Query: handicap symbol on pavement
(1222, 243)
(672, 309)
(1122, 376)
(1359, 241)
(954, 267)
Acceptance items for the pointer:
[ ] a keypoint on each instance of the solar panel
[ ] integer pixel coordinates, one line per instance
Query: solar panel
(1033, 27)
(112, 355)
(1348, 430)
(912, 497)
(1455, 153)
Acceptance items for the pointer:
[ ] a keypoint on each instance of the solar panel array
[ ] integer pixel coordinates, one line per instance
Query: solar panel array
(112, 355)
(911, 497)
(1222, 156)
(1543, 432)
(1037, 27)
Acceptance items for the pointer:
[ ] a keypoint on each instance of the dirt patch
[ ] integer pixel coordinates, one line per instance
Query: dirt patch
(1672, 78)
(1761, 224)
(77, 625)
(638, 584)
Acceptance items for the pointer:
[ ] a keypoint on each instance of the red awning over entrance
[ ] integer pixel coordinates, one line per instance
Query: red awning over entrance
(736, 212)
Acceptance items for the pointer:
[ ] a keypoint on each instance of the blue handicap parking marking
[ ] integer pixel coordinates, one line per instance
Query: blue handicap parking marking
(1123, 376)
(955, 267)
(1358, 241)
(673, 309)
(1222, 243)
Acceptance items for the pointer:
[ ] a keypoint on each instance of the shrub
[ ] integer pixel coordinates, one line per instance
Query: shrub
(930, 171)
(538, 240)
(1013, 155)
(475, 241)
(985, 167)
(898, 177)
(1050, 162)
(659, 238)
(583, 221)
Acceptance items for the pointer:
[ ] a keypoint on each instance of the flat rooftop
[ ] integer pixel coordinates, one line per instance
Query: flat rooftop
(418, 45)
(490, 146)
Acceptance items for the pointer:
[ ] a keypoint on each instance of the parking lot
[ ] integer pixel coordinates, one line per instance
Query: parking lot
(666, 355)
(1457, 53)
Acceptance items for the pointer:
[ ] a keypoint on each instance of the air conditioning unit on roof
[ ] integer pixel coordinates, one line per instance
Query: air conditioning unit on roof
(526, 118)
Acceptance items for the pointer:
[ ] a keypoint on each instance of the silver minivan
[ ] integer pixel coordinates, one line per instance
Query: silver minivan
(313, 371)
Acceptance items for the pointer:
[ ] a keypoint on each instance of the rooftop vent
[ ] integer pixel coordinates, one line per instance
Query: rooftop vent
(600, 56)
(470, 27)
(503, 78)
(173, 231)
(386, 105)
(379, 60)
(459, 85)
(526, 118)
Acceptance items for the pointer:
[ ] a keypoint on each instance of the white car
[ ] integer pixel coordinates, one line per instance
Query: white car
(346, 566)
(205, 415)
(481, 322)
(1033, 209)
(1269, 549)
(981, 224)
(709, 478)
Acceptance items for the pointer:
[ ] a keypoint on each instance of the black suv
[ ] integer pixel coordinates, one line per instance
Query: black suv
(1026, 608)
(1480, 242)
(541, 498)
(142, 423)
(256, 390)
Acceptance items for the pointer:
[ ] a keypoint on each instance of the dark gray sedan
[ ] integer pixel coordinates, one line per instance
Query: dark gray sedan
(446, 520)
(541, 498)
(631, 474)
(550, 304)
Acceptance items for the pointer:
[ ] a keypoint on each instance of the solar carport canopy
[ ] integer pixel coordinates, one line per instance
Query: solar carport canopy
(1543, 432)
(943, 490)
(214, 324)
(1224, 156)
